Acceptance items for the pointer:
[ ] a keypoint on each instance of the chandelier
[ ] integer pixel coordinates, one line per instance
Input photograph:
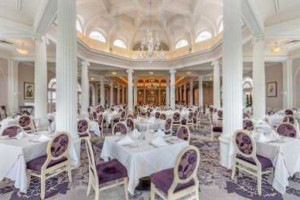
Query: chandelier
(150, 46)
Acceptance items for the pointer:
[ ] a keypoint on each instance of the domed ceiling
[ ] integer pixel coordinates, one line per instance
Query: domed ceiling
(129, 20)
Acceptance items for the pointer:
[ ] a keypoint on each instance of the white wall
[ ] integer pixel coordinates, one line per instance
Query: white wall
(296, 72)
(26, 74)
(274, 73)
(3, 82)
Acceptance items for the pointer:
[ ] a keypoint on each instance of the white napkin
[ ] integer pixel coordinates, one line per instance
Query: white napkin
(159, 132)
(125, 141)
(264, 138)
(135, 133)
(159, 142)
(21, 135)
(43, 138)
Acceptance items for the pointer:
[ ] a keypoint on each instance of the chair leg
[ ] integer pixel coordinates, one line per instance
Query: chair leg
(89, 187)
(197, 192)
(70, 175)
(96, 193)
(152, 193)
(43, 187)
(233, 170)
(259, 177)
(126, 188)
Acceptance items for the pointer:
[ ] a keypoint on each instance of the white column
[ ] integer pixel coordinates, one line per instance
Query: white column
(172, 88)
(159, 96)
(40, 79)
(168, 92)
(111, 93)
(102, 91)
(184, 94)
(66, 74)
(232, 78)
(130, 91)
(191, 92)
(259, 79)
(288, 78)
(85, 86)
(135, 90)
(123, 94)
(180, 93)
(145, 95)
(217, 93)
(200, 90)
(13, 83)
(118, 94)
(94, 96)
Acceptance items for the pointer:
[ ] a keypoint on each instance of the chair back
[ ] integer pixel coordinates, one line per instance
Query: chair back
(123, 115)
(246, 116)
(176, 117)
(26, 123)
(220, 114)
(130, 124)
(271, 112)
(58, 146)
(168, 126)
(93, 175)
(190, 116)
(248, 125)
(183, 132)
(157, 115)
(289, 119)
(95, 116)
(289, 112)
(186, 167)
(12, 131)
(119, 127)
(130, 116)
(163, 116)
(244, 143)
(83, 126)
(287, 129)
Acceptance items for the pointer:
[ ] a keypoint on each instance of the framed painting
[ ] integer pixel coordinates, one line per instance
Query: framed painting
(28, 91)
(272, 89)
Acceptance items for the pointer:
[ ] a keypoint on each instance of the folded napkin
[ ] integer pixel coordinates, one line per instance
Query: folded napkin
(269, 137)
(125, 141)
(43, 138)
(135, 133)
(158, 142)
(159, 132)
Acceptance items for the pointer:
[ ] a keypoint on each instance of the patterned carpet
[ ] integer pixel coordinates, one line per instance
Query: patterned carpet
(215, 182)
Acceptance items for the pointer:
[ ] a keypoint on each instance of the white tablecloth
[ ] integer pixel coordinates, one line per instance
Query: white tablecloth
(149, 124)
(275, 120)
(15, 153)
(143, 160)
(109, 116)
(285, 157)
(8, 122)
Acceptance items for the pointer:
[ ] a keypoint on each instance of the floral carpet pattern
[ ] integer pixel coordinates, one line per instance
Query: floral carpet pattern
(211, 174)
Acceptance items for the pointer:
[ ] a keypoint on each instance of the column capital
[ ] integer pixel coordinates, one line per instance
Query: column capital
(129, 71)
(172, 71)
(215, 63)
(85, 63)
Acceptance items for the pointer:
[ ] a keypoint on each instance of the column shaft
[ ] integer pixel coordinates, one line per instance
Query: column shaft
(13, 85)
(172, 88)
(200, 90)
(130, 91)
(85, 89)
(111, 93)
(191, 93)
(217, 93)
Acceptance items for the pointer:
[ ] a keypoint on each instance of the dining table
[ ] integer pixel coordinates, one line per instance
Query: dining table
(143, 124)
(142, 158)
(15, 153)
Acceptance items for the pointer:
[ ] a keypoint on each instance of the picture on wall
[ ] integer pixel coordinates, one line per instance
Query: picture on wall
(272, 89)
(28, 91)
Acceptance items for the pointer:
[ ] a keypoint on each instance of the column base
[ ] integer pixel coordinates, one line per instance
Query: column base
(75, 152)
(225, 151)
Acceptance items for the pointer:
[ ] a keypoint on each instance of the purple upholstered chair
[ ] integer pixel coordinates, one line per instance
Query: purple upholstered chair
(123, 116)
(120, 127)
(289, 119)
(105, 175)
(220, 114)
(56, 161)
(248, 125)
(26, 123)
(176, 120)
(163, 116)
(245, 158)
(130, 124)
(289, 112)
(287, 130)
(180, 181)
(157, 114)
(83, 128)
(246, 116)
(12, 131)
(271, 112)
(131, 116)
(100, 120)
(168, 126)
(183, 132)
(190, 120)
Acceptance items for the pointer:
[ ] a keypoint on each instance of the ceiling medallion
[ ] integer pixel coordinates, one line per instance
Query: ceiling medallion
(150, 46)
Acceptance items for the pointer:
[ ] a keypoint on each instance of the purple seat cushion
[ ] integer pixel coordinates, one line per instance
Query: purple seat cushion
(265, 162)
(110, 171)
(218, 129)
(164, 179)
(36, 164)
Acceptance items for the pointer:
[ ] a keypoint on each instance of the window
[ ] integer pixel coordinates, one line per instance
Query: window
(97, 36)
(120, 43)
(221, 28)
(181, 43)
(78, 26)
(205, 35)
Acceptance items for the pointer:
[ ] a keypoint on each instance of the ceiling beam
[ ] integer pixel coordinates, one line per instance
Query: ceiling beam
(12, 29)
(252, 18)
(45, 16)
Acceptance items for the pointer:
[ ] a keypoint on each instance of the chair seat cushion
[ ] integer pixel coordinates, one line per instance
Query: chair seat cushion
(110, 171)
(218, 129)
(164, 179)
(265, 162)
(36, 164)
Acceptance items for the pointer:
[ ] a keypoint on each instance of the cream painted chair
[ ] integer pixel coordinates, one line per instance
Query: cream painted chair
(55, 162)
(180, 181)
(245, 158)
(105, 175)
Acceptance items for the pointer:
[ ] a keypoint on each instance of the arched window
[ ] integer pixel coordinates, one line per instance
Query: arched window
(221, 27)
(96, 35)
(205, 35)
(120, 43)
(78, 26)
(181, 43)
